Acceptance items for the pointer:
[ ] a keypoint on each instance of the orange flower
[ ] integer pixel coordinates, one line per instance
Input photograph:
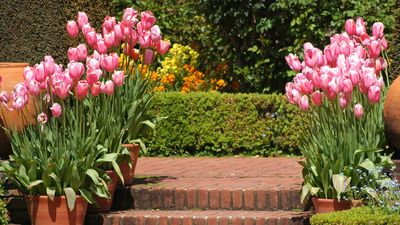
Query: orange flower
(221, 83)
(154, 76)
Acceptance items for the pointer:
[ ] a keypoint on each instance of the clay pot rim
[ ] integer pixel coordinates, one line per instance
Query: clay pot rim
(13, 64)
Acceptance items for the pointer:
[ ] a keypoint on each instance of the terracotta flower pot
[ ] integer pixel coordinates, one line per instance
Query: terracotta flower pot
(391, 113)
(128, 173)
(43, 211)
(104, 204)
(11, 73)
(322, 205)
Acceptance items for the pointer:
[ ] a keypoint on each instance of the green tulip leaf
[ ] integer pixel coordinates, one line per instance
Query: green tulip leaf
(71, 198)
(51, 192)
(94, 176)
(87, 195)
(35, 183)
(340, 183)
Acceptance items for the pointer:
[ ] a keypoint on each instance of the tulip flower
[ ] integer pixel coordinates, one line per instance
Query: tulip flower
(95, 89)
(101, 47)
(62, 90)
(162, 47)
(384, 44)
(92, 63)
(343, 101)
(317, 98)
(377, 30)
(350, 27)
(109, 39)
(82, 52)
(91, 38)
(293, 62)
(145, 39)
(374, 94)
(42, 118)
(73, 54)
(374, 49)
(82, 89)
(360, 26)
(358, 110)
(147, 20)
(40, 75)
(118, 78)
(4, 98)
(56, 110)
(109, 62)
(304, 104)
(86, 29)
(34, 88)
(49, 65)
(155, 34)
(18, 102)
(109, 23)
(76, 70)
(72, 29)
(148, 56)
(107, 87)
(130, 15)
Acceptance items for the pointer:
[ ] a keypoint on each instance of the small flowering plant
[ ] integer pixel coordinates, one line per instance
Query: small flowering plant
(342, 89)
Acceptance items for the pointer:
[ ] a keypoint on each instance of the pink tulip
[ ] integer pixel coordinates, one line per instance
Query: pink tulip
(92, 63)
(76, 70)
(374, 94)
(72, 29)
(377, 30)
(350, 27)
(345, 48)
(304, 104)
(379, 82)
(109, 23)
(118, 35)
(56, 110)
(347, 86)
(162, 47)
(109, 62)
(130, 15)
(62, 90)
(34, 88)
(155, 34)
(293, 62)
(134, 38)
(148, 56)
(82, 89)
(147, 20)
(73, 54)
(126, 28)
(109, 39)
(330, 54)
(368, 77)
(380, 64)
(316, 80)
(358, 110)
(313, 57)
(93, 75)
(40, 75)
(4, 98)
(95, 89)
(316, 98)
(307, 46)
(86, 29)
(296, 95)
(365, 39)
(42, 118)
(343, 101)
(325, 79)
(29, 73)
(361, 52)
(82, 52)
(91, 38)
(82, 19)
(101, 47)
(18, 102)
(335, 85)
(118, 78)
(49, 65)
(374, 49)
(107, 87)
(145, 39)
(360, 26)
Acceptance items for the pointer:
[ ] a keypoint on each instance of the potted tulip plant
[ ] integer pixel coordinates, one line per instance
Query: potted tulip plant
(341, 89)
(125, 45)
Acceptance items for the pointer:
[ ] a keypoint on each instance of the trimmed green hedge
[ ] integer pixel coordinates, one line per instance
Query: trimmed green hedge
(35, 28)
(224, 124)
(356, 216)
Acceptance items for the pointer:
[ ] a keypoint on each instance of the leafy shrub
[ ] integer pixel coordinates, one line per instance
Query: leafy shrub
(356, 216)
(224, 124)
(37, 27)
(3, 210)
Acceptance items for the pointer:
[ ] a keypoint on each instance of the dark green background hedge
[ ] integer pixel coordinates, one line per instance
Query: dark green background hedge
(35, 28)
(225, 124)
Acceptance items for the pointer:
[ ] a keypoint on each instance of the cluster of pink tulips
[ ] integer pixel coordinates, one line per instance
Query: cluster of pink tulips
(351, 61)
(92, 68)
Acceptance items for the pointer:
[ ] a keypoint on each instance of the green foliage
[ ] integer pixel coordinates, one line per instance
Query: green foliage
(3, 210)
(225, 124)
(356, 216)
(253, 36)
(36, 28)
(394, 49)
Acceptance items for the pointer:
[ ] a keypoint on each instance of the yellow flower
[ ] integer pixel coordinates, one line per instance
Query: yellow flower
(221, 83)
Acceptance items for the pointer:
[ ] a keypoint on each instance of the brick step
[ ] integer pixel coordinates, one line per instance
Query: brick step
(198, 217)
(211, 197)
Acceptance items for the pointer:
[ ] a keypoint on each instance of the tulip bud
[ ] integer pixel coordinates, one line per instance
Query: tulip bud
(374, 49)
(95, 89)
(86, 29)
(358, 110)
(76, 70)
(118, 78)
(374, 94)
(360, 26)
(303, 103)
(147, 20)
(163, 47)
(377, 30)
(91, 38)
(33, 88)
(350, 27)
(73, 54)
(56, 110)
(72, 29)
(82, 89)
(107, 87)
(316, 98)
(148, 56)
(82, 52)
(40, 75)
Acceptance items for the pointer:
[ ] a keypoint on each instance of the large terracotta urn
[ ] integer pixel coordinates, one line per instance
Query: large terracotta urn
(391, 114)
(11, 73)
